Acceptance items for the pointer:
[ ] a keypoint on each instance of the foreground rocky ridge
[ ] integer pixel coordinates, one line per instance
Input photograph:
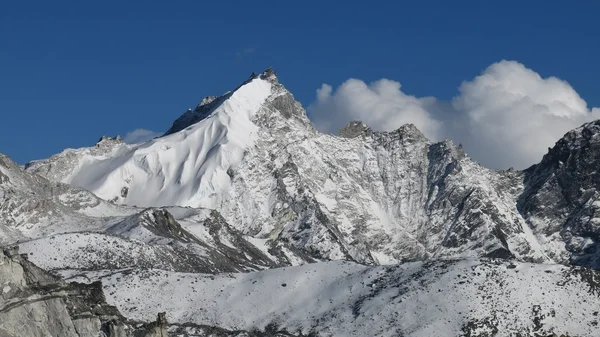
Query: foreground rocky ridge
(461, 298)
(34, 303)
(476, 297)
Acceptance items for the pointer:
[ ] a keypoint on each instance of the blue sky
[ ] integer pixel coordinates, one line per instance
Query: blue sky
(73, 71)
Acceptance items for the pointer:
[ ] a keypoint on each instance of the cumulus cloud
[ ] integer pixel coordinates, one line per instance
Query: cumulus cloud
(382, 105)
(507, 116)
(514, 114)
(140, 136)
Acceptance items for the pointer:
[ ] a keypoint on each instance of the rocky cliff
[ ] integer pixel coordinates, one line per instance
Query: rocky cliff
(34, 303)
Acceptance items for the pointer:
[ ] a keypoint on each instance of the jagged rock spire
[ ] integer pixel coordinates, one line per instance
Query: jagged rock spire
(355, 129)
(105, 140)
(269, 75)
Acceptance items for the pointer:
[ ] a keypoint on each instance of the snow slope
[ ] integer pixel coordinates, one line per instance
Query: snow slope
(187, 168)
(59, 226)
(153, 239)
(443, 298)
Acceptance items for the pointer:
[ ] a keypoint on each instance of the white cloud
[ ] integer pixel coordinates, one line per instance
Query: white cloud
(514, 114)
(507, 116)
(140, 136)
(381, 105)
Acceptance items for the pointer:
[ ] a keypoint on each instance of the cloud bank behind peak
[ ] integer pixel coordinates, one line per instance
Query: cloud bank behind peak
(507, 116)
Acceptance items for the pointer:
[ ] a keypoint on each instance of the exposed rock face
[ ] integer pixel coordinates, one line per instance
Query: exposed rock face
(158, 328)
(33, 303)
(355, 129)
(202, 110)
(107, 141)
(31, 203)
(60, 166)
(163, 224)
(562, 194)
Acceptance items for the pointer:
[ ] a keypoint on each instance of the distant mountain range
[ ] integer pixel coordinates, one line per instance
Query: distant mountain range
(243, 220)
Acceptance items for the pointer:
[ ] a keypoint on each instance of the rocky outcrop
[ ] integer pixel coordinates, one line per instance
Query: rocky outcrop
(202, 110)
(107, 141)
(28, 199)
(159, 327)
(221, 248)
(562, 194)
(34, 303)
(60, 166)
(355, 129)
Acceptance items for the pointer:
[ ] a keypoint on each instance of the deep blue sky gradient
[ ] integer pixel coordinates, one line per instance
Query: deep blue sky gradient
(71, 71)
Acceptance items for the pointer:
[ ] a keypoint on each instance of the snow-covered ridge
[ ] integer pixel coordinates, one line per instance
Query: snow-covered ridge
(367, 196)
(187, 168)
(61, 166)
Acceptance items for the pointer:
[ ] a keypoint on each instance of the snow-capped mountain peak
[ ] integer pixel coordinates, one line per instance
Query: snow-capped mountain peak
(369, 196)
(210, 103)
(185, 168)
(261, 188)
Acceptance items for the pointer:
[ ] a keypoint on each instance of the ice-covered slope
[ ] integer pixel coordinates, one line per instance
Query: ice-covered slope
(443, 298)
(372, 197)
(187, 168)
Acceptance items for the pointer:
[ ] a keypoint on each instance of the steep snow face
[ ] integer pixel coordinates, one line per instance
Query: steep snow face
(442, 298)
(187, 168)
